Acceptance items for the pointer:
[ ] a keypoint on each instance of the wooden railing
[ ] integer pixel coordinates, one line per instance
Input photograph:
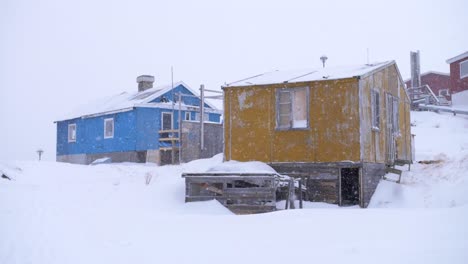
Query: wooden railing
(171, 135)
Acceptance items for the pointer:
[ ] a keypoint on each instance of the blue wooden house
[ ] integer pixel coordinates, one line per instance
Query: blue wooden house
(127, 126)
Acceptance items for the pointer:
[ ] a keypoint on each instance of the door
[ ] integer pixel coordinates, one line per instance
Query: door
(390, 133)
(349, 186)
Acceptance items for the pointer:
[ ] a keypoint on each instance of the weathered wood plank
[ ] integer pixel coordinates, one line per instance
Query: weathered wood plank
(228, 174)
(322, 190)
(249, 209)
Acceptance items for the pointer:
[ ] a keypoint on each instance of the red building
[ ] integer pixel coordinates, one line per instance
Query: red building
(459, 73)
(439, 83)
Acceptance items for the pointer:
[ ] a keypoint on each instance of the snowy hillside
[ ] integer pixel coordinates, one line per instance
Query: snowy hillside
(62, 213)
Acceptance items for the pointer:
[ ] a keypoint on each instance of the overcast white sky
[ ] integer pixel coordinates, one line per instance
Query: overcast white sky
(57, 54)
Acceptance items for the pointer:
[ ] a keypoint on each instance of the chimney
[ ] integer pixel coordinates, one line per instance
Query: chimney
(145, 82)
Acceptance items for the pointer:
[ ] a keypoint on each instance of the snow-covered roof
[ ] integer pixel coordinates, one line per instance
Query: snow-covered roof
(431, 72)
(435, 72)
(306, 75)
(124, 102)
(458, 57)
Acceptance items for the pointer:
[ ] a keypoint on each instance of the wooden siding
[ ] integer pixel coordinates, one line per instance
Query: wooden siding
(374, 142)
(332, 135)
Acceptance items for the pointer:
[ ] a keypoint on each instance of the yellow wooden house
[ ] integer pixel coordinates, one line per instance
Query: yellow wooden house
(338, 128)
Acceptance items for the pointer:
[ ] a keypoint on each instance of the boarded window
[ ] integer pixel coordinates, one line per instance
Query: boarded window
(463, 69)
(72, 133)
(375, 101)
(292, 108)
(109, 128)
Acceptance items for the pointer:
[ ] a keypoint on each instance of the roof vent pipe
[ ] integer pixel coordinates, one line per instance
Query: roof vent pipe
(323, 59)
(145, 82)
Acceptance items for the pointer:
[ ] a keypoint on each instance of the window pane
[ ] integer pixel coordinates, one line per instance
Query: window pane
(72, 132)
(109, 129)
(375, 101)
(396, 116)
(284, 109)
(284, 121)
(463, 69)
(284, 97)
(300, 108)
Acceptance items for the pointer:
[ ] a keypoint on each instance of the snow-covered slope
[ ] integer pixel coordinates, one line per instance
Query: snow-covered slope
(441, 179)
(63, 213)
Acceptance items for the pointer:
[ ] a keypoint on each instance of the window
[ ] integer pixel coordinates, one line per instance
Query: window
(187, 115)
(109, 128)
(375, 108)
(396, 116)
(443, 92)
(463, 69)
(205, 117)
(71, 132)
(292, 107)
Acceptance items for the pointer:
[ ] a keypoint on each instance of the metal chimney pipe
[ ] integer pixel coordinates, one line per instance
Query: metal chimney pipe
(323, 59)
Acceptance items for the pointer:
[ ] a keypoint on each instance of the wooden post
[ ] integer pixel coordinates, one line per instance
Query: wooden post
(291, 194)
(180, 128)
(202, 113)
(300, 193)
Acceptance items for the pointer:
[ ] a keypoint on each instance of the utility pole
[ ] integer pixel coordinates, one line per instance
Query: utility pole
(202, 114)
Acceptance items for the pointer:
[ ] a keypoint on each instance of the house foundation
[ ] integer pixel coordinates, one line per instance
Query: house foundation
(342, 183)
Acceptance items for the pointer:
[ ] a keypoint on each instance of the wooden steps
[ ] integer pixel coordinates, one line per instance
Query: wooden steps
(394, 171)
(400, 162)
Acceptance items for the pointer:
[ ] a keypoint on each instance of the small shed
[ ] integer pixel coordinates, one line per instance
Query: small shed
(339, 129)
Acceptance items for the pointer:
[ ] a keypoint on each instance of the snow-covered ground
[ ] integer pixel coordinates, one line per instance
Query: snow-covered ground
(62, 213)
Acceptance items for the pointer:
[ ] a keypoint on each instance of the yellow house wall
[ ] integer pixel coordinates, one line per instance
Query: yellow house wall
(332, 136)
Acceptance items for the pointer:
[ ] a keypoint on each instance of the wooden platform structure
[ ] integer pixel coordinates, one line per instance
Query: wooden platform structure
(242, 193)
(170, 153)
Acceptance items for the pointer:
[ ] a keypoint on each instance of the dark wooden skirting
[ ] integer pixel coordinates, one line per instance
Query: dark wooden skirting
(372, 173)
(323, 179)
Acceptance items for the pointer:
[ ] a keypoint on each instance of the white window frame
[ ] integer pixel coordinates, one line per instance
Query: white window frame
(73, 136)
(291, 92)
(444, 90)
(105, 127)
(188, 116)
(375, 109)
(465, 65)
(162, 119)
(206, 116)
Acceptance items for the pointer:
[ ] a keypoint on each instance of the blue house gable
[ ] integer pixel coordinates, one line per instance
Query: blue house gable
(126, 127)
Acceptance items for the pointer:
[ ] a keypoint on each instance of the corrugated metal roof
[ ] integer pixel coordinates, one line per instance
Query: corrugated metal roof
(305, 75)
